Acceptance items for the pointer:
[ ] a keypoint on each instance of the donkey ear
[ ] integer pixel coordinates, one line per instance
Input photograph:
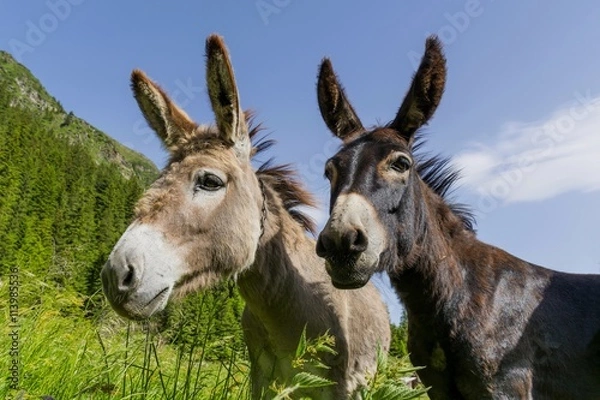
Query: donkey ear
(424, 93)
(336, 110)
(224, 97)
(169, 121)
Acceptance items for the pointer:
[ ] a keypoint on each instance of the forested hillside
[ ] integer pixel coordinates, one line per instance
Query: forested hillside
(25, 92)
(61, 206)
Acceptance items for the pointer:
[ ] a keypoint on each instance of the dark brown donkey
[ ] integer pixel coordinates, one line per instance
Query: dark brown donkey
(211, 216)
(486, 324)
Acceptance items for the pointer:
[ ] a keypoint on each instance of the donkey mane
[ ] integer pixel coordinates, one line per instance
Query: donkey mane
(441, 176)
(282, 178)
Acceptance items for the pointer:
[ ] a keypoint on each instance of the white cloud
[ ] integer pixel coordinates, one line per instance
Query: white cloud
(533, 161)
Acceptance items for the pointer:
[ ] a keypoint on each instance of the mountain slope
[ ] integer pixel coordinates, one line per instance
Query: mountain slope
(26, 92)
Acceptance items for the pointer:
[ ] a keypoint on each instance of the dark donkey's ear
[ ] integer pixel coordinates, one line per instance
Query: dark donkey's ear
(224, 97)
(171, 123)
(424, 93)
(340, 117)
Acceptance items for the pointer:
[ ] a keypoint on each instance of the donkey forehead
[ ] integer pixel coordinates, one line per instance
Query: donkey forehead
(223, 159)
(369, 149)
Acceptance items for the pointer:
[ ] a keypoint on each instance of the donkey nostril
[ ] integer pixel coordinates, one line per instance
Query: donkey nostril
(355, 241)
(351, 241)
(323, 245)
(360, 242)
(129, 276)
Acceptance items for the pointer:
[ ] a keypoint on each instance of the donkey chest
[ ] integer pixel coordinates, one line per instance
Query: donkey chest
(467, 363)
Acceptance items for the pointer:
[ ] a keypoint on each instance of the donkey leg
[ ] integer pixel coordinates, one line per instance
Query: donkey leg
(258, 381)
(262, 361)
(514, 384)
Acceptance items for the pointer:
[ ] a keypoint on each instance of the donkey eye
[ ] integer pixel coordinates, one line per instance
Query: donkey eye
(401, 164)
(209, 182)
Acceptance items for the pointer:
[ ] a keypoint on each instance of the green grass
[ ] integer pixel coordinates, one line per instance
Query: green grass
(72, 359)
(68, 356)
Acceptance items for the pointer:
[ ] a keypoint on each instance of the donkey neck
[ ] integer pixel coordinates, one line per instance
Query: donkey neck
(431, 273)
(286, 273)
(448, 271)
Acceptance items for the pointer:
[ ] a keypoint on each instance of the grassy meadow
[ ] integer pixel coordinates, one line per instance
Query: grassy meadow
(66, 353)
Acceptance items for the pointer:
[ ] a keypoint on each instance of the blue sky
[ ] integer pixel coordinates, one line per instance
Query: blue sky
(520, 115)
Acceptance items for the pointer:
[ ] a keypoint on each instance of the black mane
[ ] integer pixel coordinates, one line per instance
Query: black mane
(283, 179)
(441, 176)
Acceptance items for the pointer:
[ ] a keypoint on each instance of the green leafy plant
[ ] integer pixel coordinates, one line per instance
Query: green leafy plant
(306, 364)
(387, 382)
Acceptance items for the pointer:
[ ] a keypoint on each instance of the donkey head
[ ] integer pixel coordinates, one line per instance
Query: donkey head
(201, 220)
(374, 214)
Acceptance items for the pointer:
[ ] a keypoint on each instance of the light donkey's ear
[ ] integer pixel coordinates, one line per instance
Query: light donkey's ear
(224, 97)
(425, 91)
(336, 110)
(170, 122)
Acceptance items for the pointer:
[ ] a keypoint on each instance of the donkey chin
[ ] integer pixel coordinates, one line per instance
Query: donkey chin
(139, 284)
(352, 273)
(140, 305)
